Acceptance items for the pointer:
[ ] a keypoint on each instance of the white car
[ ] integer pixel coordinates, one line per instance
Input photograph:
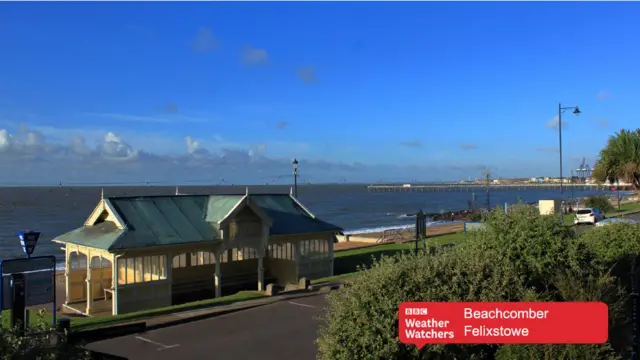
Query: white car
(616, 221)
(588, 216)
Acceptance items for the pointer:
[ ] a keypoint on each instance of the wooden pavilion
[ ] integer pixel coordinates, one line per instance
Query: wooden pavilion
(138, 253)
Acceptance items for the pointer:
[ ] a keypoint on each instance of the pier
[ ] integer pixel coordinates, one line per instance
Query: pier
(480, 187)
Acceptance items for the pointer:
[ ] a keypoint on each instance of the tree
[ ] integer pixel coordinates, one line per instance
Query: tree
(620, 159)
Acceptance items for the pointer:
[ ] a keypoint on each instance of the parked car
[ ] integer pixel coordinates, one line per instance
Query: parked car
(616, 221)
(588, 216)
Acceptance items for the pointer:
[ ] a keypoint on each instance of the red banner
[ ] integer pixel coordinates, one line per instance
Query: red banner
(422, 323)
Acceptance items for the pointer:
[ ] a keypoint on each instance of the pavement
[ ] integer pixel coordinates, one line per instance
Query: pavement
(282, 330)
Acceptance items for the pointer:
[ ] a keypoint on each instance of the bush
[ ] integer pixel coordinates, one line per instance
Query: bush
(522, 256)
(37, 344)
(599, 202)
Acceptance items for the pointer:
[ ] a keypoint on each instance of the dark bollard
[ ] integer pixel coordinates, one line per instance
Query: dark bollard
(64, 325)
(63, 329)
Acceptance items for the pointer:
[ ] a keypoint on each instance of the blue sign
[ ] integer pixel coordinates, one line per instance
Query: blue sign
(28, 240)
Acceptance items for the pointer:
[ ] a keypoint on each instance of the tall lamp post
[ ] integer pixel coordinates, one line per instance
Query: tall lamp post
(561, 110)
(295, 177)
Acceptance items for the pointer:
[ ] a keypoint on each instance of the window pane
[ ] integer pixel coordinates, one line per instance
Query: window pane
(139, 269)
(122, 272)
(194, 259)
(162, 265)
(154, 268)
(147, 268)
(130, 271)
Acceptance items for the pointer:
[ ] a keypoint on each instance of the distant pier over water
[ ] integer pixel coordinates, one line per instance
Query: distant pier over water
(492, 186)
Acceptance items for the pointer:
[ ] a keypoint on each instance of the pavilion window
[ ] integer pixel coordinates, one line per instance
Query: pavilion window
(146, 268)
(139, 270)
(180, 261)
(155, 268)
(202, 258)
(142, 269)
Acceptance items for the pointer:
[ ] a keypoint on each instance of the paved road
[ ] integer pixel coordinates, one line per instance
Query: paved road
(582, 228)
(284, 330)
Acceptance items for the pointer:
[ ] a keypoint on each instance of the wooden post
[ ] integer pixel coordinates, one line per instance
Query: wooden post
(260, 273)
(218, 276)
(89, 284)
(67, 274)
(331, 252)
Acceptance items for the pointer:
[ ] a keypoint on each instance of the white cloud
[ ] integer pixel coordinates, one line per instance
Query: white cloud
(468, 146)
(553, 123)
(169, 118)
(5, 140)
(204, 41)
(48, 155)
(604, 95)
(412, 143)
(254, 56)
(307, 74)
(547, 148)
(113, 148)
(194, 149)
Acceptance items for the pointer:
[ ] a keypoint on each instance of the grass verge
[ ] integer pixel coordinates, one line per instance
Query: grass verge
(89, 323)
(625, 208)
(346, 262)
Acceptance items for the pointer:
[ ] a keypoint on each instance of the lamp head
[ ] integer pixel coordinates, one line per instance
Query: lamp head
(576, 111)
(295, 164)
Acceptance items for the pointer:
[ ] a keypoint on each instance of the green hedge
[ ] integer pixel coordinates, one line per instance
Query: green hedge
(600, 202)
(522, 256)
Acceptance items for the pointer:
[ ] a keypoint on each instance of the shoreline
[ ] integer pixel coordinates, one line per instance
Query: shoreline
(434, 220)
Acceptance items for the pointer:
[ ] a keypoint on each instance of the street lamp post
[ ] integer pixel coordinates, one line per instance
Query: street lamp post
(295, 177)
(561, 109)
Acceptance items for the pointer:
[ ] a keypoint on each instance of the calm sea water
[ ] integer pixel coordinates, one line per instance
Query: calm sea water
(56, 210)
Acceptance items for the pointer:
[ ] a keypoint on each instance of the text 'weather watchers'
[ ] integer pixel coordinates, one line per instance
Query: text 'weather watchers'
(503, 323)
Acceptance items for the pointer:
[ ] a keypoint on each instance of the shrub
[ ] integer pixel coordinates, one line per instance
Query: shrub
(616, 247)
(522, 256)
(37, 344)
(361, 322)
(599, 202)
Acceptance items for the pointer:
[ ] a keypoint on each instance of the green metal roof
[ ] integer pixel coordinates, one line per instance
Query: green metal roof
(220, 205)
(288, 217)
(181, 219)
(100, 236)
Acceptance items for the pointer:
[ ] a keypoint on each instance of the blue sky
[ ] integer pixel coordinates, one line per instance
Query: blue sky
(359, 91)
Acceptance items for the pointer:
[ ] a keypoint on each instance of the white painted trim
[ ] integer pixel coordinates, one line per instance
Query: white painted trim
(241, 201)
(109, 207)
(95, 214)
(245, 201)
(302, 206)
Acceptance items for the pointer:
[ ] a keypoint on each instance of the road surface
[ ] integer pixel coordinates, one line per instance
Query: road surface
(284, 330)
(582, 228)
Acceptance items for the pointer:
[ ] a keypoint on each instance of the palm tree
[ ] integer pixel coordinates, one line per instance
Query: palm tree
(620, 159)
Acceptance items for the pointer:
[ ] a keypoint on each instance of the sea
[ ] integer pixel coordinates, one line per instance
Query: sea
(56, 210)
